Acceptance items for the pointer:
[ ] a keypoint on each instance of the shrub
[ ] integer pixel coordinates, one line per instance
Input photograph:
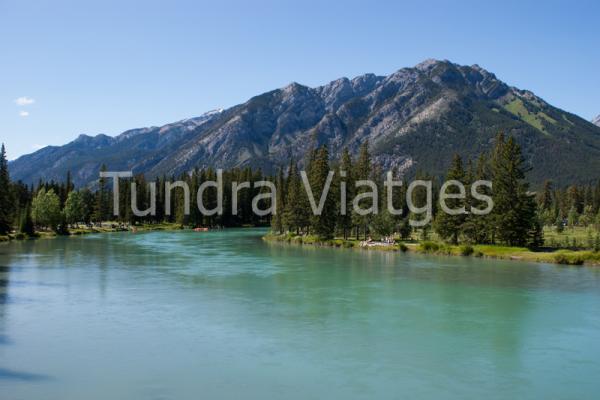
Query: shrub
(568, 259)
(403, 248)
(466, 250)
(429, 247)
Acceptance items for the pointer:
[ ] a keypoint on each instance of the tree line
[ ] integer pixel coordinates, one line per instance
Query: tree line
(58, 206)
(516, 219)
(576, 205)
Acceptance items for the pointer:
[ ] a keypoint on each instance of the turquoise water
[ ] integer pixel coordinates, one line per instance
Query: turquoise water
(222, 315)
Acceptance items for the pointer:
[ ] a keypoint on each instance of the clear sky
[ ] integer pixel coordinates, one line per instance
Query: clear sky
(72, 67)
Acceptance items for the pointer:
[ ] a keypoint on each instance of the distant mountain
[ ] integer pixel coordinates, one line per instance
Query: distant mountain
(596, 121)
(414, 119)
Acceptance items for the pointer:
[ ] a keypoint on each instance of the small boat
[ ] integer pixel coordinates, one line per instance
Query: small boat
(200, 229)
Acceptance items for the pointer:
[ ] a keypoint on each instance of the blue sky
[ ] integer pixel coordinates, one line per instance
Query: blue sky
(72, 67)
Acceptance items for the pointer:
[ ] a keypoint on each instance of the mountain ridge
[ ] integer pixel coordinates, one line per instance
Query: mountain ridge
(414, 119)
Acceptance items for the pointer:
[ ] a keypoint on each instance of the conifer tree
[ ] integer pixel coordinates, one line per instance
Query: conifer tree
(514, 208)
(362, 171)
(344, 219)
(295, 217)
(322, 225)
(478, 228)
(546, 196)
(26, 224)
(449, 226)
(101, 209)
(277, 219)
(6, 203)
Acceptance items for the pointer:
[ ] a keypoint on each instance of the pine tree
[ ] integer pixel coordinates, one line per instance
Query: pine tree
(295, 217)
(514, 208)
(344, 219)
(322, 225)
(6, 203)
(26, 224)
(362, 171)
(450, 226)
(101, 209)
(478, 228)
(277, 218)
(546, 196)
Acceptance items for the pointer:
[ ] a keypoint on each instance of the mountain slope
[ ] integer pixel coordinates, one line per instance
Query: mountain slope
(414, 119)
(596, 121)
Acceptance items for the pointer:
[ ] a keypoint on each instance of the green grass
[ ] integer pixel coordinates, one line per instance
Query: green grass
(576, 237)
(567, 257)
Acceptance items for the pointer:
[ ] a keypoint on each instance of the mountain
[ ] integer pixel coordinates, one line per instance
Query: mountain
(414, 119)
(596, 121)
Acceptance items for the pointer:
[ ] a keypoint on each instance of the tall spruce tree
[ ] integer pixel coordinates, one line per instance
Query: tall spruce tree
(322, 225)
(295, 216)
(344, 211)
(362, 171)
(101, 209)
(26, 223)
(6, 202)
(277, 218)
(514, 207)
(477, 228)
(447, 225)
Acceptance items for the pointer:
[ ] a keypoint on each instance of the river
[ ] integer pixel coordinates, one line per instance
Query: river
(224, 315)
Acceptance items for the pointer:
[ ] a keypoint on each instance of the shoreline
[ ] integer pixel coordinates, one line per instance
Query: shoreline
(90, 231)
(555, 256)
(498, 252)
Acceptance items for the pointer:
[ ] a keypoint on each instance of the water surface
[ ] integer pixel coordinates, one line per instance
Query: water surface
(187, 315)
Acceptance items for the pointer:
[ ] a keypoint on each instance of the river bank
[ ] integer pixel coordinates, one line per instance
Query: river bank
(563, 256)
(86, 230)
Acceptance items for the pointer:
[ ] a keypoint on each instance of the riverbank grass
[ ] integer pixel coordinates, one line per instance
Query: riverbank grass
(567, 257)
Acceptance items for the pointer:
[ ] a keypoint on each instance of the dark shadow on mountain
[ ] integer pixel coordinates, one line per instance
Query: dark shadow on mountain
(10, 375)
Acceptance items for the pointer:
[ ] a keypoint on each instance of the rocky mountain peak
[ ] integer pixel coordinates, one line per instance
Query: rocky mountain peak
(596, 121)
(429, 64)
(414, 119)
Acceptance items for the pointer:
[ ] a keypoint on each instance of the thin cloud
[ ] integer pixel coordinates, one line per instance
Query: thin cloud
(24, 101)
(23, 114)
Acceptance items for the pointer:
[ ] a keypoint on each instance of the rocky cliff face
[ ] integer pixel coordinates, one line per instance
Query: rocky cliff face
(414, 119)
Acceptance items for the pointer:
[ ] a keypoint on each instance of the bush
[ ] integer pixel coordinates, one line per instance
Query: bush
(568, 259)
(403, 248)
(429, 247)
(466, 250)
(478, 254)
